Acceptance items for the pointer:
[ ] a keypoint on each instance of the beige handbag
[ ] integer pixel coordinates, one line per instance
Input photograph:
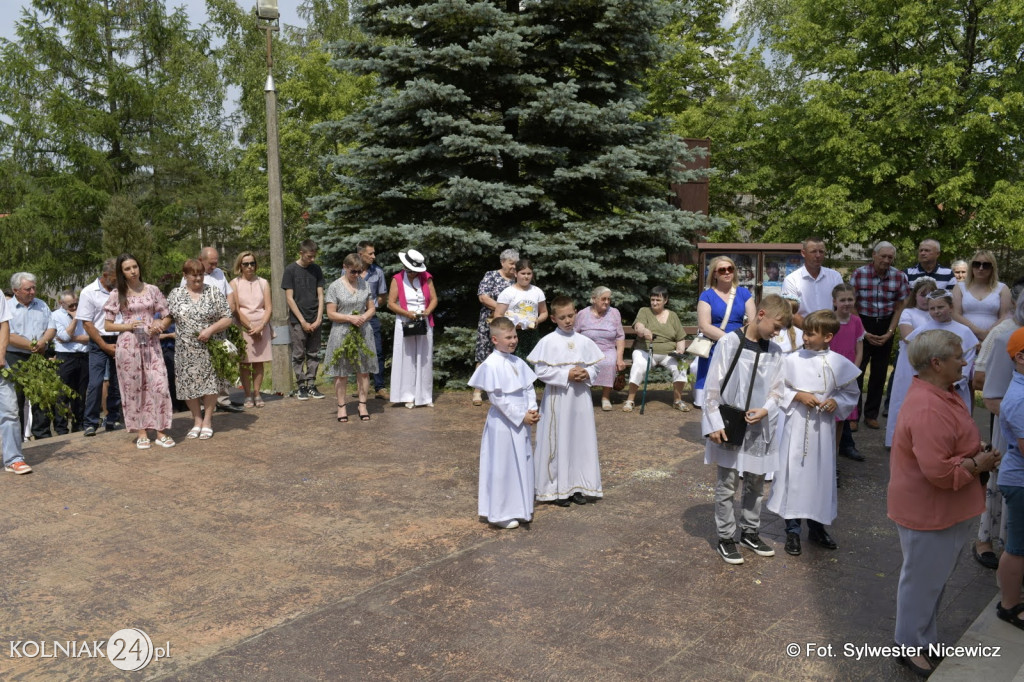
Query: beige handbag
(702, 345)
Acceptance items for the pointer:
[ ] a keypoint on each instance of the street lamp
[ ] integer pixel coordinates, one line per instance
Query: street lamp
(281, 375)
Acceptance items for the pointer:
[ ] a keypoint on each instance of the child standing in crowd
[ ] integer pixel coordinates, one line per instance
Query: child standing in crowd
(566, 463)
(821, 385)
(524, 304)
(742, 391)
(848, 342)
(506, 461)
(792, 337)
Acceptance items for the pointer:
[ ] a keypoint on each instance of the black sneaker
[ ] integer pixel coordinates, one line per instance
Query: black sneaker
(313, 393)
(754, 542)
(113, 426)
(303, 393)
(90, 431)
(729, 553)
(793, 544)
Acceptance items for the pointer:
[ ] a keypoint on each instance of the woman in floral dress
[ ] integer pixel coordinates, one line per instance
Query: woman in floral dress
(145, 393)
(493, 283)
(350, 305)
(200, 313)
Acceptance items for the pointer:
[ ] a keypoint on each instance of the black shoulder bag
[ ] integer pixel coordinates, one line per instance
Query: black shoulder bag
(734, 418)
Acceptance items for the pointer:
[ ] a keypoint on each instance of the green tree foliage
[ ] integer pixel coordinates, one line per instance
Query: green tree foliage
(105, 99)
(518, 124)
(309, 92)
(893, 120)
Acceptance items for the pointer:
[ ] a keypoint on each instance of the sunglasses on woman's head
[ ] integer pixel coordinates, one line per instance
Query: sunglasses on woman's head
(725, 269)
(981, 265)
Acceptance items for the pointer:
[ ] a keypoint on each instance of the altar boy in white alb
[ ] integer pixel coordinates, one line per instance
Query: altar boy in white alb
(821, 385)
(506, 460)
(566, 464)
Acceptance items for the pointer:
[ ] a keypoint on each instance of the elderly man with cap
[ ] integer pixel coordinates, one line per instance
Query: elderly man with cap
(31, 333)
(72, 347)
(882, 291)
(101, 351)
(413, 298)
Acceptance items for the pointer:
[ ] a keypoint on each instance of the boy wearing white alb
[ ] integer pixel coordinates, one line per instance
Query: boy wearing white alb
(506, 459)
(566, 465)
(820, 385)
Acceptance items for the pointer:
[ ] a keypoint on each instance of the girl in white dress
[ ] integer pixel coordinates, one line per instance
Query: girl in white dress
(940, 310)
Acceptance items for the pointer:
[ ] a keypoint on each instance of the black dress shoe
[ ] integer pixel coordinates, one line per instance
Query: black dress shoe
(578, 498)
(562, 503)
(986, 559)
(852, 453)
(793, 544)
(823, 539)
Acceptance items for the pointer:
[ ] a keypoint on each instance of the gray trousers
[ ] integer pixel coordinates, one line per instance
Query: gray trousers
(305, 348)
(929, 557)
(725, 490)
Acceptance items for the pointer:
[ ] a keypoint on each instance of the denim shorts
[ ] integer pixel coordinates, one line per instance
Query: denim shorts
(1013, 495)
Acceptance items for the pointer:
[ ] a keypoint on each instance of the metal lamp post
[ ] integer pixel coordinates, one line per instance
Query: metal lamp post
(281, 373)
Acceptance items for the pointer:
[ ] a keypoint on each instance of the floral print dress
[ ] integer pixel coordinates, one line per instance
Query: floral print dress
(193, 368)
(141, 373)
(491, 285)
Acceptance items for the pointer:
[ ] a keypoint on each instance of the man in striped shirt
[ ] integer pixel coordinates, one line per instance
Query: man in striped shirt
(928, 265)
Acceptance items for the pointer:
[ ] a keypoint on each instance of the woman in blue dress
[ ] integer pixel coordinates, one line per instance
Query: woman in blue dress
(711, 307)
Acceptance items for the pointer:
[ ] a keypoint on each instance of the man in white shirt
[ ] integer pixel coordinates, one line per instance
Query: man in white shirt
(31, 331)
(812, 283)
(10, 425)
(72, 347)
(101, 351)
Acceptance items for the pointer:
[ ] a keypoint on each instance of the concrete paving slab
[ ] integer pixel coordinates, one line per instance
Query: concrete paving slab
(293, 547)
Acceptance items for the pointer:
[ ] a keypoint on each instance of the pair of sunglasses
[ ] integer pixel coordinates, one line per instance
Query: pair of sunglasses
(981, 265)
(725, 270)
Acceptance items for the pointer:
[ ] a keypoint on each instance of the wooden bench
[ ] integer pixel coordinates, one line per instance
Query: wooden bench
(630, 333)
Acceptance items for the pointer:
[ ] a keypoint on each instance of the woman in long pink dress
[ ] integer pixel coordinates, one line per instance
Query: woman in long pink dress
(145, 392)
(252, 295)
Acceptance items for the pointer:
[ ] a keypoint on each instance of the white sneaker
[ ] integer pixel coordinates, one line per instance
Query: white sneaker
(410, 405)
(508, 525)
(606, 405)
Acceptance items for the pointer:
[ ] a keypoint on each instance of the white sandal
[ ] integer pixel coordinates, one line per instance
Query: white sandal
(681, 406)
(606, 405)
(627, 406)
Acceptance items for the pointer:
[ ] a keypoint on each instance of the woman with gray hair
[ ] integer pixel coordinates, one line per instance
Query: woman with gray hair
(493, 283)
(934, 489)
(602, 323)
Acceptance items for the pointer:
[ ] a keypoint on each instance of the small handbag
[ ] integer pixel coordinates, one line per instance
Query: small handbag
(620, 381)
(734, 419)
(417, 327)
(702, 345)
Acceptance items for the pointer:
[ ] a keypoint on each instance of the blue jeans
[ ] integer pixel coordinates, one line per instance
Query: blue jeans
(98, 363)
(846, 439)
(10, 425)
(793, 526)
(378, 378)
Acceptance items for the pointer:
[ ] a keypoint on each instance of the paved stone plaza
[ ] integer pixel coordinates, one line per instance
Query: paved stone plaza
(291, 547)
